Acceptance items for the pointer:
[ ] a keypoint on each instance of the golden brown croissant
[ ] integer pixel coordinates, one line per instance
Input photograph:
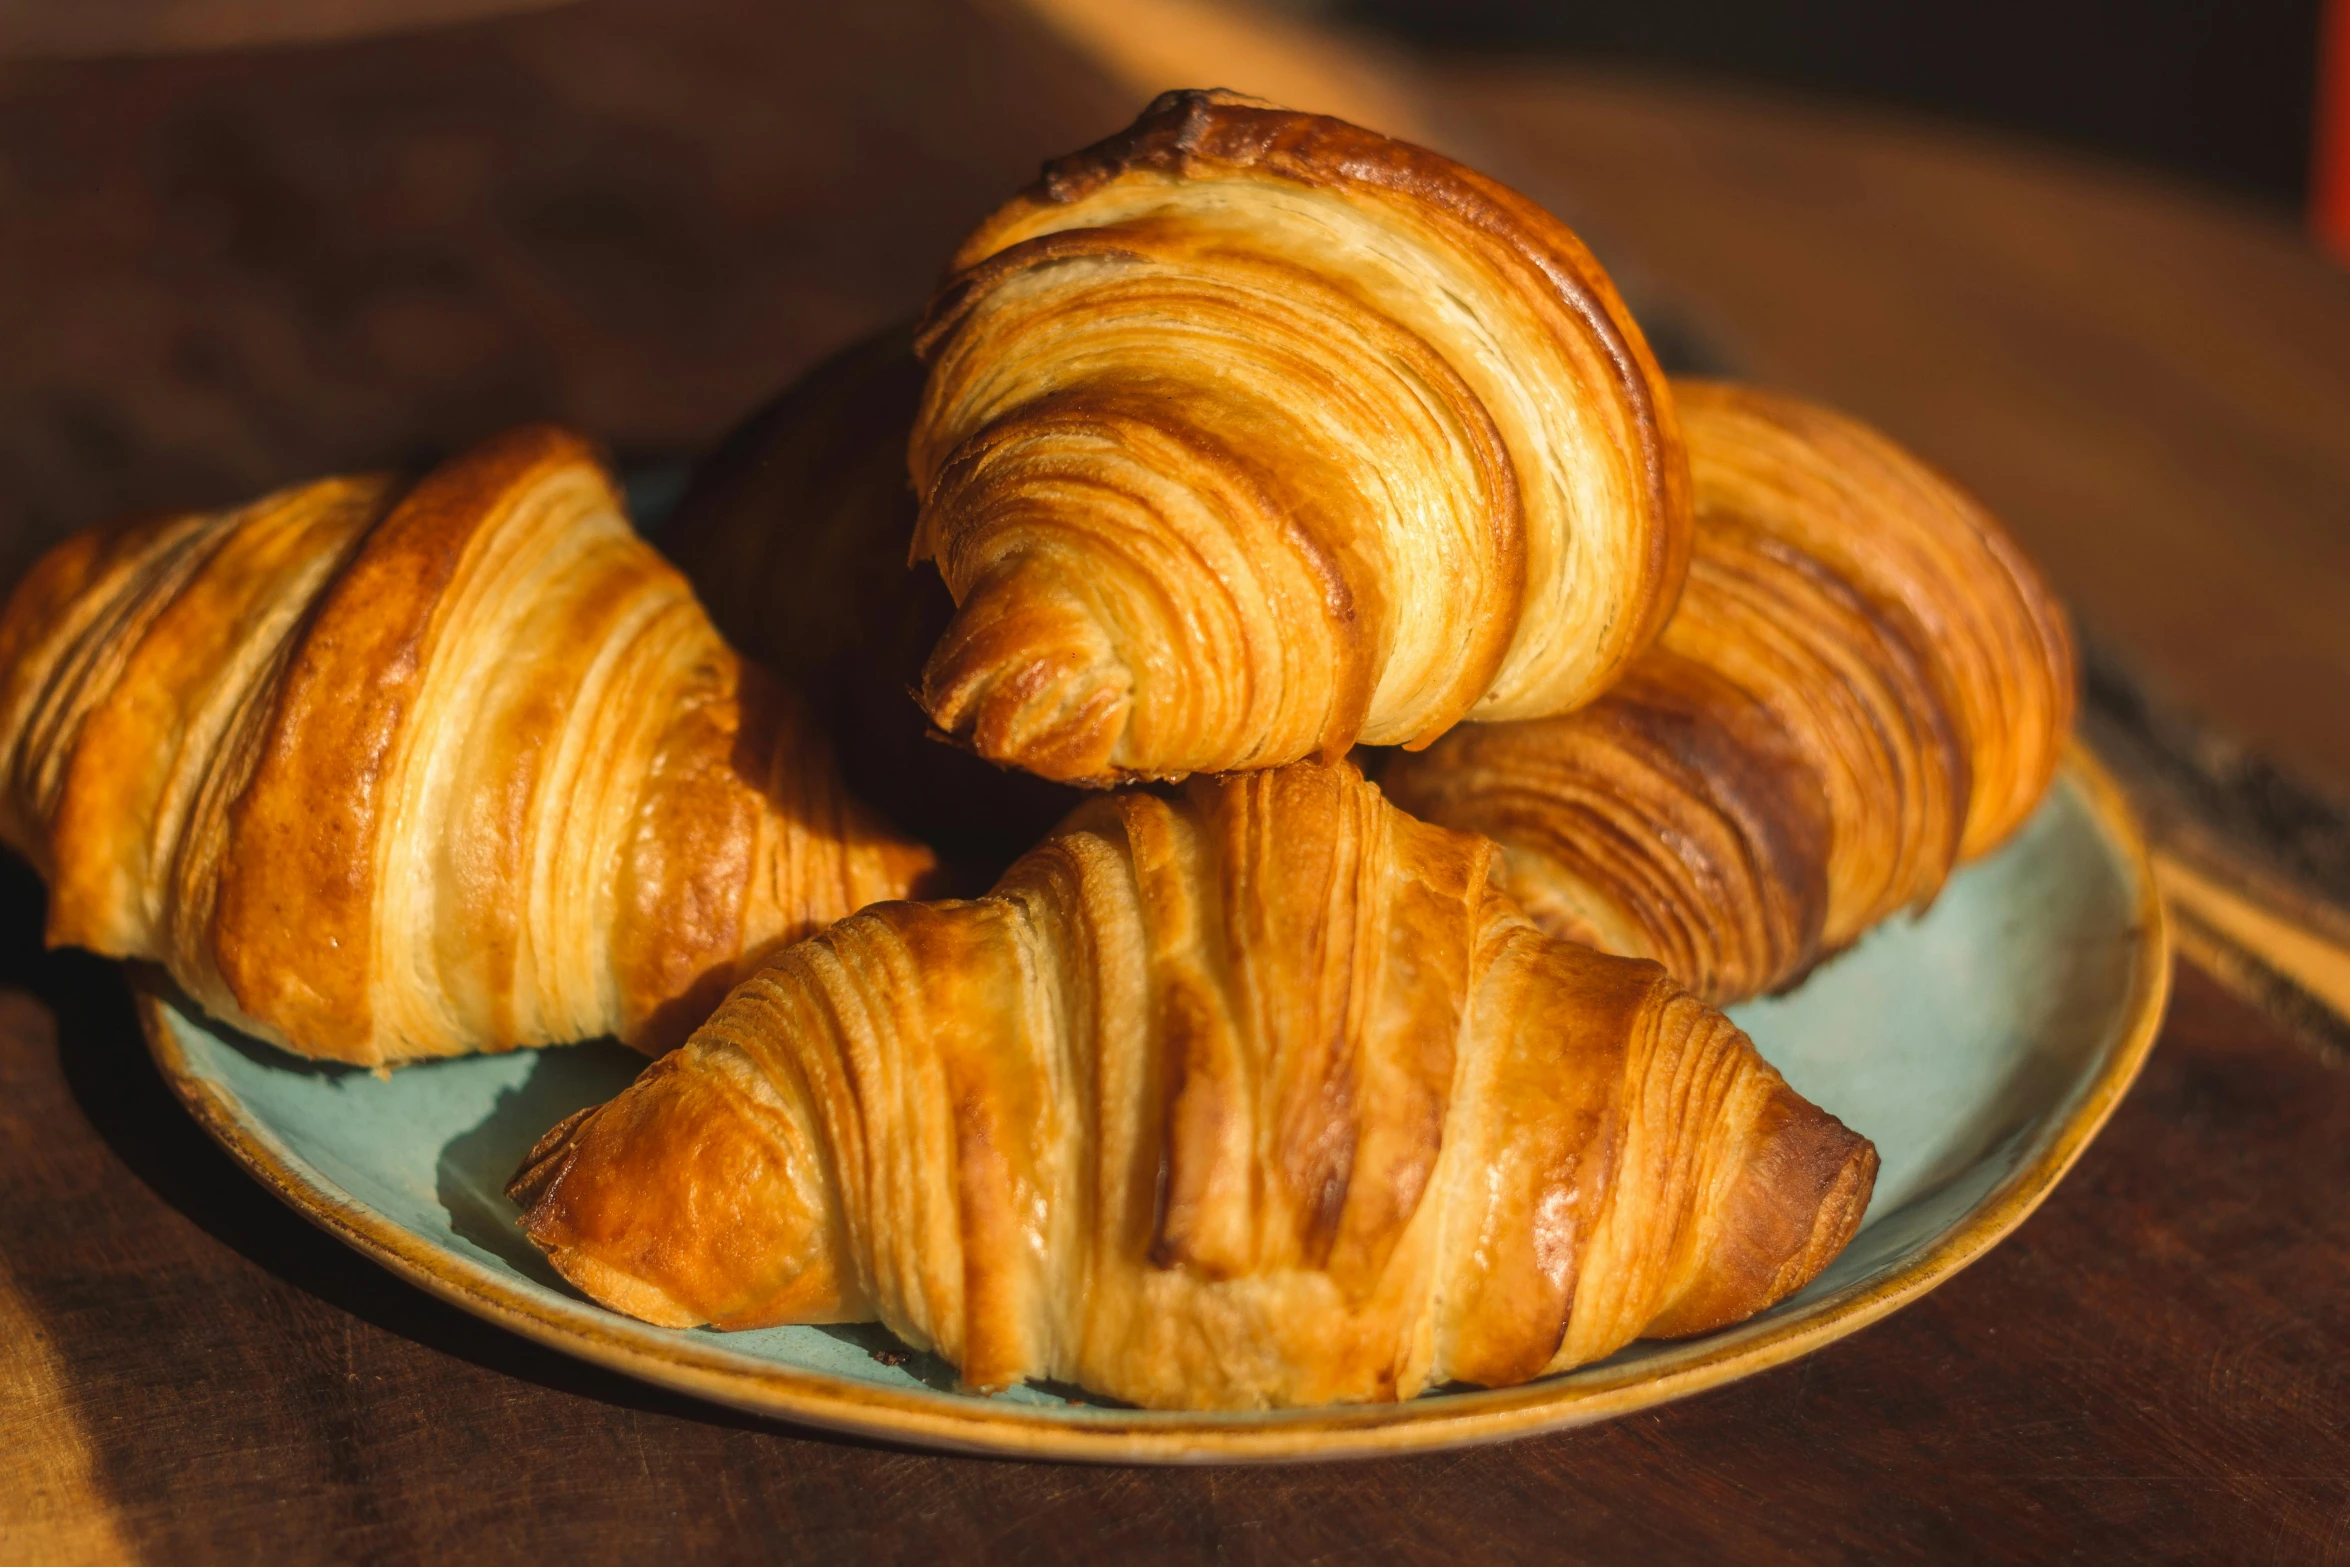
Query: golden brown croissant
(380, 773)
(1260, 1095)
(1250, 434)
(1865, 682)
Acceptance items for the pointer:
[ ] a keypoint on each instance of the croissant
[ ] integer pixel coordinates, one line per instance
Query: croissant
(1250, 434)
(381, 772)
(1260, 1095)
(1866, 682)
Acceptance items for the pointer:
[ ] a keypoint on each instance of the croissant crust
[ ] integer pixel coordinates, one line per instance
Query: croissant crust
(1865, 683)
(380, 772)
(1251, 433)
(1261, 1095)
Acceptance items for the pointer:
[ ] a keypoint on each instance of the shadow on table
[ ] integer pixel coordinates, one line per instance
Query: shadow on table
(104, 1060)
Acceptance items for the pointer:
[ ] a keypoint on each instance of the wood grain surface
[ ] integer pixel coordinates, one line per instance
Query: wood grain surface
(225, 271)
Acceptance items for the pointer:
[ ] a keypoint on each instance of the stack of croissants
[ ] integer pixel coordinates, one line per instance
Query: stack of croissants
(1375, 719)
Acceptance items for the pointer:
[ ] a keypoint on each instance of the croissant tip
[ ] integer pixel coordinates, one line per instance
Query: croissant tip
(1796, 1203)
(1057, 714)
(546, 1160)
(1817, 1159)
(1837, 1219)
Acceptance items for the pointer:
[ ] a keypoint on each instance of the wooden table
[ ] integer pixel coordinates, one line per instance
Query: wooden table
(220, 272)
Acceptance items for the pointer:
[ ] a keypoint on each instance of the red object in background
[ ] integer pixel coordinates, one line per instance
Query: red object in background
(2329, 183)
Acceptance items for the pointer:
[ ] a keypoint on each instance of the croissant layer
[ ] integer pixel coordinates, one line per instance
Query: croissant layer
(1865, 683)
(380, 772)
(1250, 434)
(1259, 1095)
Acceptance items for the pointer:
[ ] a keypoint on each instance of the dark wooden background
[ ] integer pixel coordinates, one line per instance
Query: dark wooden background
(222, 271)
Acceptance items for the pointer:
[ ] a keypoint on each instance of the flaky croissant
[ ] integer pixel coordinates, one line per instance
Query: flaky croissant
(381, 772)
(1866, 682)
(1257, 1096)
(1250, 434)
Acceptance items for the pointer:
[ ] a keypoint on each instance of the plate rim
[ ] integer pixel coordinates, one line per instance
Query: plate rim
(988, 1427)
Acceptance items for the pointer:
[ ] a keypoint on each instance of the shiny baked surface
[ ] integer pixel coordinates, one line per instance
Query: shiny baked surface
(383, 771)
(1250, 434)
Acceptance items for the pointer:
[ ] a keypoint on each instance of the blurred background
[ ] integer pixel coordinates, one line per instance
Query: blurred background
(2071, 250)
(2219, 91)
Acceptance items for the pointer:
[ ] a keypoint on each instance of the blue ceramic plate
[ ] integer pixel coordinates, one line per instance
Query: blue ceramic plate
(1980, 1047)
